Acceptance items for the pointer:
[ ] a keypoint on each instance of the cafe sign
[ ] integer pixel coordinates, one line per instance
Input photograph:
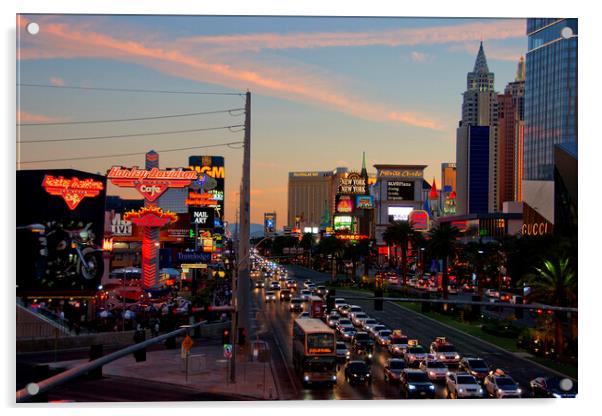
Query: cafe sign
(151, 184)
(72, 190)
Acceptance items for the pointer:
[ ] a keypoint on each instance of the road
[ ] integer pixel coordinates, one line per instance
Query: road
(425, 330)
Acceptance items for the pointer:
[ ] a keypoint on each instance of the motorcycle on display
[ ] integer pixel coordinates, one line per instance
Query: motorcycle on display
(69, 252)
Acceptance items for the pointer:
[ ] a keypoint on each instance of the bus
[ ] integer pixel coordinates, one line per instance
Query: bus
(318, 307)
(314, 352)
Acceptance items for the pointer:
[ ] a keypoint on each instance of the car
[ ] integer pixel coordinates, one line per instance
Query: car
(304, 315)
(344, 309)
(392, 369)
(358, 318)
(452, 290)
(368, 324)
(415, 384)
(435, 370)
(444, 351)
(305, 295)
(492, 293)
(285, 295)
(259, 284)
(321, 291)
(332, 320)
(373, 330)
(347, 333)
(382, 337)
(270, 296)
(414, 353)
(362, 342)
(306, 283)
(274, 285)
(353, 309)
(338, 302)
(342, 351)
(312, 288)
(357, 372)
(462, 385)
(557, 387)
(295, 305)
(476, 367)
(344, 322)
(500, 385)
(398, 343)
(291, 284)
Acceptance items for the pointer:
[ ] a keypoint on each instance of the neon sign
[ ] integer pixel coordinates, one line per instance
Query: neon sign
(151, 184)
(353, 237)
(319, 350)
(150, 216)
(419, 220)
(72, 190)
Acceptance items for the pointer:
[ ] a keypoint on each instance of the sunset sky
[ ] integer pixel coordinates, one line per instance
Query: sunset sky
(323, 90)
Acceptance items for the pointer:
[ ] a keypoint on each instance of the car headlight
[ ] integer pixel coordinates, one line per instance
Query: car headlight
(369, 355)
(411, 387)
(306, 378)
(500, 391)
(519, 391)
(457, 357)
(556, 395)
(334, 378)
(431, 387)
(348, 353)
(442, 357)
(461, 390)
(432, 373)
(480, 391)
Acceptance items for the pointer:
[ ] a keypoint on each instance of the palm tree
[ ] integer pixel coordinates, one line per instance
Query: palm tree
(442, 245)
(399, 233)
(555, 283)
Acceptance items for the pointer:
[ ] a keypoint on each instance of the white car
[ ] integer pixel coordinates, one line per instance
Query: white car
(304, 315)
(397, 344)
(374, 329)
(414, 354)
(444, 351)
(359, 318)
(368, 324)
(462, 385)
(344, 322)
(305, 295)
(347, 332)
(435, 370)
(338, 302)
(270, 296)
(500, 385)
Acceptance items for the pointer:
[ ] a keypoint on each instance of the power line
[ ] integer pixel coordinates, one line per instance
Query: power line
(129, 90)
(134, 154)
(231, 111)
(159, 133)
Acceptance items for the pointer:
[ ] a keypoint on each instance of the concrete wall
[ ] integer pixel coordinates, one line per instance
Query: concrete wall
(540, 196)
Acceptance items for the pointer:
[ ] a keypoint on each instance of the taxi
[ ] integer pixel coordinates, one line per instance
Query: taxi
(444, 351)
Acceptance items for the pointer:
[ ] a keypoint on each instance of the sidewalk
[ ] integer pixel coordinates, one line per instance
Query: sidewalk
(208, 371)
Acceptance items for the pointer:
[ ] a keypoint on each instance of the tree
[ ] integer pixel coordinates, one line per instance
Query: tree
(399, 233)
(442, 245)
(306, 243)
(555, 283)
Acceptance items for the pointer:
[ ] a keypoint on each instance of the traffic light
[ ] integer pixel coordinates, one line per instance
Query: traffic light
(226, 336)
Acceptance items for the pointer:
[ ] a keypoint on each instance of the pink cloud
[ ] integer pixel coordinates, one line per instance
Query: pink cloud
(492, 51)
(496, 29)
(25, 117)
(67, 41)
(58, 81)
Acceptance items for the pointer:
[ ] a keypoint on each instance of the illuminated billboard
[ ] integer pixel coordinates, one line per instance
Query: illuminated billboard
(269, 222)
(364, 202)
(344, 204)
(353, 184)
(400, 190)
(419, 220)
(399, 213)
(208, 190)
(342, 222)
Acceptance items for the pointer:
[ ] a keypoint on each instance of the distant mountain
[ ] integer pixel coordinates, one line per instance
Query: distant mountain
(256, 229)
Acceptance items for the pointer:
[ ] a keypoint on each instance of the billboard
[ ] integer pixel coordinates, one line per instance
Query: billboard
(364, 202)
(57, 209)
(342, 222)
(344, 204)
(399, 213)
(269, 223)
(400, 190)
(202, 218)
(353, 184)
(208, 190)
(419, 220)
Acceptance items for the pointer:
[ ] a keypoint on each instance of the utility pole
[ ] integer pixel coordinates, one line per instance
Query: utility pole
(242, 288)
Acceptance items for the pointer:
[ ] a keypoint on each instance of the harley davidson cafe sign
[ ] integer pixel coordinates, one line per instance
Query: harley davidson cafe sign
(151, 184)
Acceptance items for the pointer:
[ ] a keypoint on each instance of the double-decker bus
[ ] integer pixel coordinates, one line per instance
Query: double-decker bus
(314, 351)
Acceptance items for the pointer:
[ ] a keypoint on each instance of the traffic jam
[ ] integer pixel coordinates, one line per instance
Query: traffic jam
(421, 369)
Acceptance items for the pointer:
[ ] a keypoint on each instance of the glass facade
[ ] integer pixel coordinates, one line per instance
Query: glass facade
(550, 94)
(478, 169)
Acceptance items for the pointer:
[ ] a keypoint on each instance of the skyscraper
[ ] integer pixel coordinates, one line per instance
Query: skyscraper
(510, 136)
(550, 105)
(479, 108)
